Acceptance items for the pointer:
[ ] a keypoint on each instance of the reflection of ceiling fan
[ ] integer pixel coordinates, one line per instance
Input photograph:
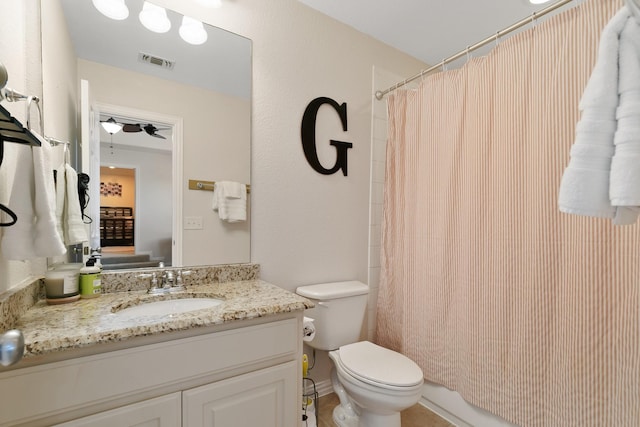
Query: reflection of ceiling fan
(148, 128)
(112, 127)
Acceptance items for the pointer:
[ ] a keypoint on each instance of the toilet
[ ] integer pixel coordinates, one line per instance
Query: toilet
(373, 383)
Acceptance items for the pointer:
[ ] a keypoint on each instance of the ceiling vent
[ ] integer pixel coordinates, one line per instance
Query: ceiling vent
(155, 60)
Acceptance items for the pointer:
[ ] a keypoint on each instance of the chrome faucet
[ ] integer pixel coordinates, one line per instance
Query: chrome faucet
(169, 281)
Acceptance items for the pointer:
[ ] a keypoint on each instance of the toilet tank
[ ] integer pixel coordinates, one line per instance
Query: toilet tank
(338, 314)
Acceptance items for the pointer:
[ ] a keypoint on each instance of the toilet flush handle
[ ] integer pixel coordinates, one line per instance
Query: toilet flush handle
(323, 304)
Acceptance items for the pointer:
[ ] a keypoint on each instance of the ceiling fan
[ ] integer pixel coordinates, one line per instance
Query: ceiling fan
(149, 128)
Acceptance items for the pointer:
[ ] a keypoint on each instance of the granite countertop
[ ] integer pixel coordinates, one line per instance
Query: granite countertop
(54, 328)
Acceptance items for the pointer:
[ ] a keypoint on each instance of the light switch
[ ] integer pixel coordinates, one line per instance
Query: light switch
(193, 223)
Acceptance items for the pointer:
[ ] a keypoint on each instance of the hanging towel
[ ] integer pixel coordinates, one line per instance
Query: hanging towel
(33, 200)
(68, 214)
(603, 175)
(230, 201)
(624, 188)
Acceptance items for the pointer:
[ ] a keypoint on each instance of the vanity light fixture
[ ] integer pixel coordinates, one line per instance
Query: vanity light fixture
(192, 31)
(114, 9)
(111, 126)
(211, 3)
(154, 18)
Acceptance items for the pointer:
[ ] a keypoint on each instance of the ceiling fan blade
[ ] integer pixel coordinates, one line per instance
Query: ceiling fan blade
(130, 127)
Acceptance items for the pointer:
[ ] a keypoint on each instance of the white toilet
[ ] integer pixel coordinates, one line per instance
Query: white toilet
(373, 383)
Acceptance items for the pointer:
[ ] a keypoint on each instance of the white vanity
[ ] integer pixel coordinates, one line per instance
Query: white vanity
(237, 364)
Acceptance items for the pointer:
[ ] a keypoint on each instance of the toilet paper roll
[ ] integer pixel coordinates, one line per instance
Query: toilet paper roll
(308, 329)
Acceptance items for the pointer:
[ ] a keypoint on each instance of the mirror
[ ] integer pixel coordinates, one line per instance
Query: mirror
(200, 98)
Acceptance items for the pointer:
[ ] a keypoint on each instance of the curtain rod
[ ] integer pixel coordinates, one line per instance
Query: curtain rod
(531, 18)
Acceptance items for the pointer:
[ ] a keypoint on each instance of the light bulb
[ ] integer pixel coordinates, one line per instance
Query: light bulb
(538, 1)
(154, 18)
(114, 9)
(192, 31)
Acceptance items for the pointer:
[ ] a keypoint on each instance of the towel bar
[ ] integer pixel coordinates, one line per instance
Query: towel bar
(207, 185)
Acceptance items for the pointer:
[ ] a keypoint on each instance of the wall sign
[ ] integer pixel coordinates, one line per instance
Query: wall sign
(308, 134)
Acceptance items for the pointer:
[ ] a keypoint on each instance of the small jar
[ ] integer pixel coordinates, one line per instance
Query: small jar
(62, 284)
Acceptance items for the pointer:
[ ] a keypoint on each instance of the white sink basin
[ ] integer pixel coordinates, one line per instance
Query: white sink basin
(167, 307)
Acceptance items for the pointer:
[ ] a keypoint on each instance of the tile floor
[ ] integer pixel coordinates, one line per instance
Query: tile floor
(416, 416)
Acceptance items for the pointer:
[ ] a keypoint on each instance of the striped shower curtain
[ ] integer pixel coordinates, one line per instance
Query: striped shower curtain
(529, 313)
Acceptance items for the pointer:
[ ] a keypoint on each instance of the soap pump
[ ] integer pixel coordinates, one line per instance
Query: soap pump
(90, 279)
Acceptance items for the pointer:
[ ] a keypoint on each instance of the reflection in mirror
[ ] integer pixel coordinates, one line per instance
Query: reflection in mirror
(198, 97)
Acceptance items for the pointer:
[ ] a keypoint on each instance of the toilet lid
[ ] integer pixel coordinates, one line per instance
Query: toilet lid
(373, 363)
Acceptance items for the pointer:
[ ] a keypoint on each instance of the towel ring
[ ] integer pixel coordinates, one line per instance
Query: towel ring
(30, 100)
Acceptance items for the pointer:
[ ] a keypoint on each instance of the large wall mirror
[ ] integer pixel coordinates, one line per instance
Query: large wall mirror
(184, 112)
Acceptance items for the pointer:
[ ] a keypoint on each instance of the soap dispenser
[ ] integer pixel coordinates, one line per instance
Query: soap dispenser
(90, 280)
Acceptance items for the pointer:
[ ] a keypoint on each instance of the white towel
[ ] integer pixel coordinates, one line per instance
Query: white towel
(598, 169)
(68, 214)
(32, 199)
(230, 201)
(624, 188)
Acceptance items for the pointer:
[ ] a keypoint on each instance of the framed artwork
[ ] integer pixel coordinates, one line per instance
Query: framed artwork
(110, 189)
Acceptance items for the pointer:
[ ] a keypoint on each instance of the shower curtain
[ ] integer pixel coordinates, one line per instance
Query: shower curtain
(528, 313)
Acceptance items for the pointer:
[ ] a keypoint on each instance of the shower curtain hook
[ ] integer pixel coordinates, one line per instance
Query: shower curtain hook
(533, 20)
(468, 52)
(443, 64)
(497, 38)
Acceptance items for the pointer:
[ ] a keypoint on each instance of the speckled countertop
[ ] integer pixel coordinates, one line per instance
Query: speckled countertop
(54, 328)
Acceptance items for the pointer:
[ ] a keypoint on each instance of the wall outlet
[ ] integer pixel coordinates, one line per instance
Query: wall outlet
(193, 223)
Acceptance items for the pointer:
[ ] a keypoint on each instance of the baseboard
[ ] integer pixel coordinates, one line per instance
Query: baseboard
(443, 413)
(324, 387)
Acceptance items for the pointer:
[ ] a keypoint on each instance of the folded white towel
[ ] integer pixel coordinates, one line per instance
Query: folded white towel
(32, 199)
(601, 178)
(624, 186)
(230, 201)
(68, 214)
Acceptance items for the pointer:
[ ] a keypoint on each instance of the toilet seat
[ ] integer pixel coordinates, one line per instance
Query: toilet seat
(379, 366)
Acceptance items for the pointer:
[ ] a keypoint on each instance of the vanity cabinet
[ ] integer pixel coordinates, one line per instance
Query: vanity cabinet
(254, 399)
(245, 376)
(162, 411)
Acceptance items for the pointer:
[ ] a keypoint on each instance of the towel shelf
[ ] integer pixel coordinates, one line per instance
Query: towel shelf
(207, 185)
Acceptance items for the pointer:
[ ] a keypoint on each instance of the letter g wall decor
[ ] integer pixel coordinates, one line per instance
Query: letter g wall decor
(308, 134)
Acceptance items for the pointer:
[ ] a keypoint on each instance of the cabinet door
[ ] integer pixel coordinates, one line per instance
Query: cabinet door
(265, 398)
(163, 411)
